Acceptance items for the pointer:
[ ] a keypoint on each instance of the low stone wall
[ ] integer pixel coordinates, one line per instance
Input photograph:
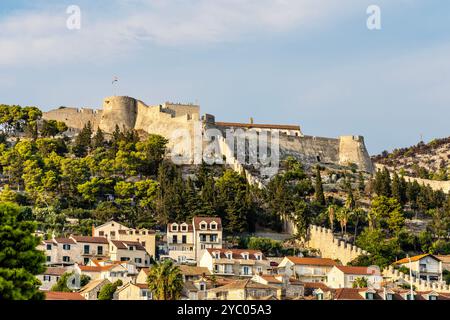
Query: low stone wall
(421, 285)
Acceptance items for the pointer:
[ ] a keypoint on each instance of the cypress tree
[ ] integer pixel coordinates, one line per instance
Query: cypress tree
(318, 194)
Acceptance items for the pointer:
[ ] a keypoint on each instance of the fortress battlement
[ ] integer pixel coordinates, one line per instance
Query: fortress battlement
(165, 119)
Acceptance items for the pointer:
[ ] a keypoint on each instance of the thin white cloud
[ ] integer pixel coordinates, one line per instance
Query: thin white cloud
(41, 36)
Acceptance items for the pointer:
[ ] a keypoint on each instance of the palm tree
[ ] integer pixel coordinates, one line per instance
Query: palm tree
(343, 215)
(165, 281)
(359, 215)
(331, 215)
(360, 283)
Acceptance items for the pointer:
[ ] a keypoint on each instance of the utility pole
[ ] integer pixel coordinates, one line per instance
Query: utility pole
(410, 278)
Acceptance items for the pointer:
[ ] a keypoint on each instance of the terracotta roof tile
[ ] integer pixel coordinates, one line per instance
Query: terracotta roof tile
(208, 220)
(356, 270)
(84, 239)
(313, 261)
(51, 295)
(415, 258)
(254, 125)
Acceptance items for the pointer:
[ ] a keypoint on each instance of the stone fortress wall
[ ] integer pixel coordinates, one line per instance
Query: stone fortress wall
(167, 118)
(328, 245)
(434, 184)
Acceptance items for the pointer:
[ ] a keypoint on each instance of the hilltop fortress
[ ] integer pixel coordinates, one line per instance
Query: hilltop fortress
(165, 119)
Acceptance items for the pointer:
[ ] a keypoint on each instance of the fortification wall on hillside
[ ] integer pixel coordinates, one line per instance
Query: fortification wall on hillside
(75, 118)
(435, 185)
(310, 149)
(329, 246)
(421, 285)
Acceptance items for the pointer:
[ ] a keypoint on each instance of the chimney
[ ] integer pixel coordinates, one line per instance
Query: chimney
(251, 120)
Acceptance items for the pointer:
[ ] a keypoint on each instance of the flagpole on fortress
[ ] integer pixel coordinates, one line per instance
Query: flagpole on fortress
(115, 82)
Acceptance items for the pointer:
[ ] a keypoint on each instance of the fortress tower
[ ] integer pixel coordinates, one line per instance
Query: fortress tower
(121, 111)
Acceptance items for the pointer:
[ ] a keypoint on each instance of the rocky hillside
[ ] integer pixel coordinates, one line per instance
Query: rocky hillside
(426, 161)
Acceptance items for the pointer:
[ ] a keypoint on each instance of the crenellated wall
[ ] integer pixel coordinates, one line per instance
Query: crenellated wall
(331, 247)
(421, 285)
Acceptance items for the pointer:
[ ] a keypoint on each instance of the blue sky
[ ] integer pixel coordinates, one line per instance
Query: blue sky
(307, 62)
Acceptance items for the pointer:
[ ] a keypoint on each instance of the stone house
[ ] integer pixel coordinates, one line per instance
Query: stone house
(92, 289)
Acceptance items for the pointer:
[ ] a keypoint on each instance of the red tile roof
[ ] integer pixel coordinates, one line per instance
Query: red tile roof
(64, 240)
(120, 244)
(50, 295)
(415, 258)
(254, 125)
(349, 294)
(356, 270)
(84, 239)
(313, 261)
(55, 271)
(208, 220)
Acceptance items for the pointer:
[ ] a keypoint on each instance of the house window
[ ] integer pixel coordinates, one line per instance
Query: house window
(203, 237)
(202, 287)
(216, 268)
(47, 278)
(86, 260)
(174, 239)
(369, 295)
(203, 226)
(66, 246)
(86, 249)
(389, 296)
(246, 271)
(131, 248)
(245, 256)
(213, 237)
(409, 297)
(138, 260)
(174, 227)
(124, 259)
(216, 255)
(49, 246)
(213, 226)
(101, 233)
(257, 256)
(184, 239)
(229, 255)
(66, 259)
(432, 297)
(100, 250)
(183, 228)
(113, 234)
(49, 258)
(319, 296)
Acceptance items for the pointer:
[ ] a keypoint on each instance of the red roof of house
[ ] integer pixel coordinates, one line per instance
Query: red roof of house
(84, 239)
(51, 295)
(254, 125)
(55, 271)
(64, 240)
(313, 261)
(208, 220)
(415, 258)
(356, 270)
(120, 244)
